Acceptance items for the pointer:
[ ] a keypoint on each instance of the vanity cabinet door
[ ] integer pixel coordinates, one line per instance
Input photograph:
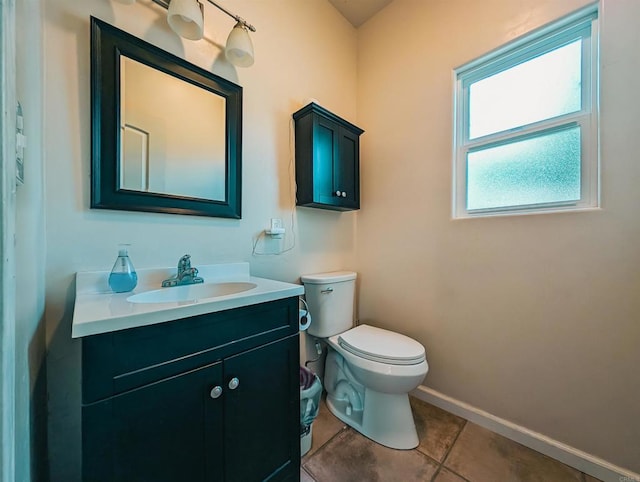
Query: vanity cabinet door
(168, 431)
(161, 403)
(262, 414)
(347, 171)
(325, 160)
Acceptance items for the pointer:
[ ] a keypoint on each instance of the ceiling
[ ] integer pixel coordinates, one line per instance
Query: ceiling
(359, 11)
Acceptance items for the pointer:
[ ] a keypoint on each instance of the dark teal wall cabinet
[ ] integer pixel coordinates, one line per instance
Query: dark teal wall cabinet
(327, 160)
(209, 398)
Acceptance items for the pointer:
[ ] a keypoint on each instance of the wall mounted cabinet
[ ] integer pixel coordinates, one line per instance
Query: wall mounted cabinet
(327, 160)
(209, 398)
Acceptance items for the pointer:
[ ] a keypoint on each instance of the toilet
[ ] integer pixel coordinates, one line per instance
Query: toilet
(368, 371)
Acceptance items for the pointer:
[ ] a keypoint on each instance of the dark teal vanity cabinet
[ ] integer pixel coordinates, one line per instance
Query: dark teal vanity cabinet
(213, 397)
(327, 160)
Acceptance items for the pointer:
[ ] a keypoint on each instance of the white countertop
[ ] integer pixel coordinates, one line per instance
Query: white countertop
(98, 310)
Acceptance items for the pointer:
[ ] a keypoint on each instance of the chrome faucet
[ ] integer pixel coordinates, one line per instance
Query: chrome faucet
(186, 275)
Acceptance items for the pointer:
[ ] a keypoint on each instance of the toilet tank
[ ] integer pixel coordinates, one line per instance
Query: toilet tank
(330, 297)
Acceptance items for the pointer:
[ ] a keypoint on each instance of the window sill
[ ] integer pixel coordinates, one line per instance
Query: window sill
(562, 209)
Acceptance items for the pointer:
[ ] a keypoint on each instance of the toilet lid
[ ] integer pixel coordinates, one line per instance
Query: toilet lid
(382, 346)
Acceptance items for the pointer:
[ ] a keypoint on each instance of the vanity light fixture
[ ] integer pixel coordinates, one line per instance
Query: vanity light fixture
(239, 49)
(186, 18)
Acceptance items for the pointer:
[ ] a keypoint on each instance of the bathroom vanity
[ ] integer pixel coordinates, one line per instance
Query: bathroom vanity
(211, 396)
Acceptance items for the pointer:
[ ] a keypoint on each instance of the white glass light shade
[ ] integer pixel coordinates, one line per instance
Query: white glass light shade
(239, 49)
(186, 19)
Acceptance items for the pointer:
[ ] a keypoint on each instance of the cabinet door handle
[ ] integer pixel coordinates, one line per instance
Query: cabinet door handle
(338, 193)
(233, 383)
(344, 194)
(216, 391)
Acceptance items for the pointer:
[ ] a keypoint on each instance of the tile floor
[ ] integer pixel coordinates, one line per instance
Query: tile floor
(451, 450)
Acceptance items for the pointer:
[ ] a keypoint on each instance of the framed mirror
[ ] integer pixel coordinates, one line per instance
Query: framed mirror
(166, 134)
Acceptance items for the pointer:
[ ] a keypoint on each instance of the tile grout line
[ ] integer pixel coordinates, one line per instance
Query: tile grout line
(435, 475)
(344, 428)
(308, 474)
(428, 457)
(309, 457)
(446, 455)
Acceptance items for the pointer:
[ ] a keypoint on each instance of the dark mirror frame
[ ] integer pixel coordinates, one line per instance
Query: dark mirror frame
(107, 45)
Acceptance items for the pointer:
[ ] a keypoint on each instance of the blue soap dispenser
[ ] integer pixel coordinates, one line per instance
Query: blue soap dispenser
(123, 276)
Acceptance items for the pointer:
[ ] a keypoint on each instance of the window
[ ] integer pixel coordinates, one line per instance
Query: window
(526, 123)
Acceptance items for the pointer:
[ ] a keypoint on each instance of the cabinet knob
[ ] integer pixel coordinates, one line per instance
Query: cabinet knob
(344, 194)
(233, 383)
(216, 391)
(338, 193)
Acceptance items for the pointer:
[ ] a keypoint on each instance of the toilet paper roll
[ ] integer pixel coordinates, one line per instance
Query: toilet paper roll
(304, 319)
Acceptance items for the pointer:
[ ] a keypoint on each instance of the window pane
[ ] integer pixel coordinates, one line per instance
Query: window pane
(541, 88)
(538, 170)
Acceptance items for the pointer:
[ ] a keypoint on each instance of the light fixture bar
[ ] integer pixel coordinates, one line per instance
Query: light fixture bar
(165, 4)
(235, 17)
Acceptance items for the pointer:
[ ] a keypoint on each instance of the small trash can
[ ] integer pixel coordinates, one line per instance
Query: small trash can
(310, 392)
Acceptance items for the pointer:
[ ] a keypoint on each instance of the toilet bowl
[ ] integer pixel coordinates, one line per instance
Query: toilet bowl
(368, 371)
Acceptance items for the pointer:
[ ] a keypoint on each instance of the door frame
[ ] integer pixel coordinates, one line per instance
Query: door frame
(7, 238)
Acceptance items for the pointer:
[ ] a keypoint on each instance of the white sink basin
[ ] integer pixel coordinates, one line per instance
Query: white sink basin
(191, 292)
(227, 286)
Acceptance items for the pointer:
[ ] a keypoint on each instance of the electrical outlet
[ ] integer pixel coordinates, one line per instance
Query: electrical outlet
(276, 223)
(277, 228)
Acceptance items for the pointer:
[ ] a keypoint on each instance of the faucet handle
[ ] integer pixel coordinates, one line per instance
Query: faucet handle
(184, 262)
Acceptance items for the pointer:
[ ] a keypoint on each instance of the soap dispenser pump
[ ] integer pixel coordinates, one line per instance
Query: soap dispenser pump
(123, 276)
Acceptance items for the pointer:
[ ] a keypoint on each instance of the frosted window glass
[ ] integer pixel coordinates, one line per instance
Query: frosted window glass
(544, 169)
(541, 88)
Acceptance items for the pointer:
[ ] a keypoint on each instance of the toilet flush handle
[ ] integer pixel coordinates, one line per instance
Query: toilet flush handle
(327, 291)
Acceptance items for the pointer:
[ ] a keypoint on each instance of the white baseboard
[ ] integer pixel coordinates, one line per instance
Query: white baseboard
(582, 461)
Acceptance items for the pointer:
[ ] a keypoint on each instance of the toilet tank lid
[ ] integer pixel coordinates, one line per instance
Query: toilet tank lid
(332, 277)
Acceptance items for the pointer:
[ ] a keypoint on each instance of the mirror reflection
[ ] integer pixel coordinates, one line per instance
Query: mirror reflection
(166, 135)
(178, 149)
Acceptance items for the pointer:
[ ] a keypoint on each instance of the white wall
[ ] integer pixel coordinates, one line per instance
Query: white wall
(30, 397)
(303, 50)
(533, 318)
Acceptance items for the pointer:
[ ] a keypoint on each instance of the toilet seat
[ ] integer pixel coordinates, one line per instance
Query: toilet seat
(382, 346)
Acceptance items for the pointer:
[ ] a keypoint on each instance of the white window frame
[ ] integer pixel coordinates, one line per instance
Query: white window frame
(581, 24)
